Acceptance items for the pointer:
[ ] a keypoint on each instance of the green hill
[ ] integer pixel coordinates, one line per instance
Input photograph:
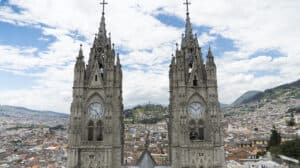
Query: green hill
(147, 114)
(290, 90)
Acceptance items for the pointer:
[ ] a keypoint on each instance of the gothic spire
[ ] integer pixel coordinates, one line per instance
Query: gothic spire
(209, 54)
(102, 29)
(80, 55)
(210, 57)
(188, 25)
(118, 60)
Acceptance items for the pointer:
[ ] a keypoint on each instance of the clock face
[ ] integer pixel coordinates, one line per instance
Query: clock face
(95, 111)
(196, 110)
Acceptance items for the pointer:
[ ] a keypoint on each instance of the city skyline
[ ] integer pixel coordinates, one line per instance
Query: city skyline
(39, 48)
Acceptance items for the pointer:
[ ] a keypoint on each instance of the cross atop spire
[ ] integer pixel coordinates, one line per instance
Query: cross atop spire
(102, 30)
(103, 3)
(187, 3)
(188, 25)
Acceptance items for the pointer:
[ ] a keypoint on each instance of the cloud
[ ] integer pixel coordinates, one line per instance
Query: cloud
(252, 26)
(206, 38)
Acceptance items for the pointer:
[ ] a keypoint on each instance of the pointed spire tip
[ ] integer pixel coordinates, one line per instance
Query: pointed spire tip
(80, 56)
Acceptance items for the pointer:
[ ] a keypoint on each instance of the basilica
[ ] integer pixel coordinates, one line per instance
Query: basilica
(96, 131)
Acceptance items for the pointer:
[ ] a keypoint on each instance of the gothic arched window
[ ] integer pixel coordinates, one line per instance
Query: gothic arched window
(101, 71)
(99, 130)
(195, 81)
(190, 68)
(201, 130)
(90, 130)
(193, 134)
(201, 133)
(196, 130)
(193, 130)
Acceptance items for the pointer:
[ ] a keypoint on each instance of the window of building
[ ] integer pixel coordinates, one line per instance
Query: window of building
(101, 72)
(193, 134)
(190, 68)
(195, 81)
(201, 133)
(196, 130)
(193, 131)
(99, 131)
(90, 131)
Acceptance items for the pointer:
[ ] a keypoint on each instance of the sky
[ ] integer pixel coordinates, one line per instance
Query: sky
(256, 46)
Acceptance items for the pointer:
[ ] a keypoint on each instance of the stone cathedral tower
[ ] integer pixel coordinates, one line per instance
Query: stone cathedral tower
(96, 123)
(195, 130)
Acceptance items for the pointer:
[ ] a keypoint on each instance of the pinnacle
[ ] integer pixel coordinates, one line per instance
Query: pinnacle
(209, 54)
(80, 55)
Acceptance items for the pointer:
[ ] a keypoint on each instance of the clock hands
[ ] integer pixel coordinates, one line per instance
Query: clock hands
(196, 110)
(96, 111)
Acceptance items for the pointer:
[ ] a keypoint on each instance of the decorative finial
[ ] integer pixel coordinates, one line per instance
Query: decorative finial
(187, 3)
(209, 54)
(176, 46)
(118, 59)
(80, 56)
(103, 3)
(113, 45)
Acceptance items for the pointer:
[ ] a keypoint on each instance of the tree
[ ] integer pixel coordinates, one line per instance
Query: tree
(289, 148)
(275, 138)
(291, 122)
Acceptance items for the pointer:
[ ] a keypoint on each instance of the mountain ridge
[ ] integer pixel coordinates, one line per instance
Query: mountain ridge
(17, 113)
(252, 96)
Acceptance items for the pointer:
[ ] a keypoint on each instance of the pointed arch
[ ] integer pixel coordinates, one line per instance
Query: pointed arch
(201, 130)
(99, 131)
(90, 130)
(196, 97)
(201, 133)
(94, 97)
(193, 130)
(193, 134)
(194, 75)
(96, 78)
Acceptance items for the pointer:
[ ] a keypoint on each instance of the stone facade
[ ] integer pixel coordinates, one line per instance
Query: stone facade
(96, 128)
(96, 122)
(195, 130)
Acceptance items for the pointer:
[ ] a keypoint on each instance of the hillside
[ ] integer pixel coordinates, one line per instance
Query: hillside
(291, 90)
(247, 97)
(149, 113)
(21, 114)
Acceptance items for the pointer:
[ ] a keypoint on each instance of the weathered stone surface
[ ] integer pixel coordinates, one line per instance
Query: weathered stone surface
(195, 130)
(96, 129)
(96, 126)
